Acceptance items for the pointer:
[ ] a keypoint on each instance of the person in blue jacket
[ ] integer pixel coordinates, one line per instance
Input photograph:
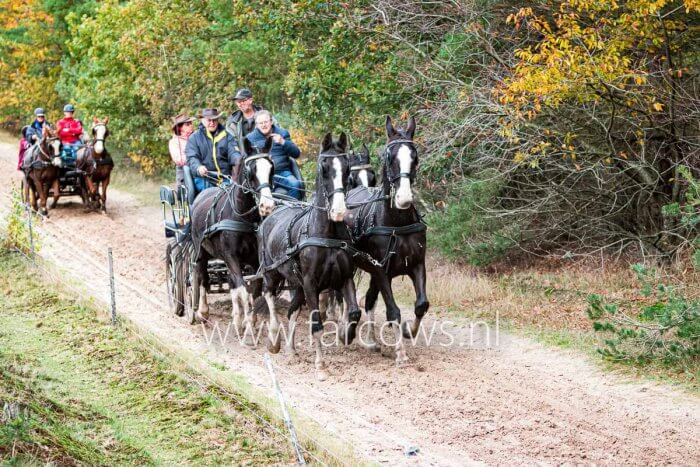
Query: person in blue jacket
(211, 151)
(283, 150)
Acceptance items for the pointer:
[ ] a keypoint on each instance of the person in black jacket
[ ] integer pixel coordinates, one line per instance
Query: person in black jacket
(211, 151)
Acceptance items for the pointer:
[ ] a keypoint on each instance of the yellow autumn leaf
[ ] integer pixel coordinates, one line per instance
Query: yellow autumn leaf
(658, 106)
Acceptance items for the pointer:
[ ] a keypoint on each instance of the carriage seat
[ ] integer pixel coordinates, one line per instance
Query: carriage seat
(189, 184)
(296, 171)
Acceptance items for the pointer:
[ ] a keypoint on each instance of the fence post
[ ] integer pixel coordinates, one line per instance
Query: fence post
(112, 300)
(285, 413)
(31, 229)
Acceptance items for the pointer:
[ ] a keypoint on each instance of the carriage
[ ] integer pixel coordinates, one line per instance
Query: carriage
(179, 250)
(71, 182)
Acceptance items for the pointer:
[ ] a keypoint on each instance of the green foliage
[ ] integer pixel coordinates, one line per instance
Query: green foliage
(15, 234)
(666, 328)
(464, 230)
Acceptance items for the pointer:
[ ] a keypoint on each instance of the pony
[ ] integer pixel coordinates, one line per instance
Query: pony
(302, 246)
(96, 163)
(224, 222)
(386, 225)
(41, 170)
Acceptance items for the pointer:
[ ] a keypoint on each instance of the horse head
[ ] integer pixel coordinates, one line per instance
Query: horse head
(99, 133)
(256, 172)
(50, 146)
(400, 162)
(361, 170)
(332, 176)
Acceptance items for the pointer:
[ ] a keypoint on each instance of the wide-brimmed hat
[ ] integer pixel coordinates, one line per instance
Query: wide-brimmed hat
(241, 94)
(180, 119)
(210, 113)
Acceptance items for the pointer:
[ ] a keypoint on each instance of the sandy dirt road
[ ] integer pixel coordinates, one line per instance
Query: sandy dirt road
(501, 400)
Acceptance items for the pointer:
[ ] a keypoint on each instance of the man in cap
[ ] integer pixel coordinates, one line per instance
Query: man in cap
(242, 121)
(182, 129)
(70, 132)
(35, 130)
(211, 151)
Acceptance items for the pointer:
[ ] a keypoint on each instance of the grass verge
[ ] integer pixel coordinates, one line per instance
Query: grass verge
(81, 391)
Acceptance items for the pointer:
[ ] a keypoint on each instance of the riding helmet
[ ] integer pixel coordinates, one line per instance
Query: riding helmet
(39, 112)
(68, 108)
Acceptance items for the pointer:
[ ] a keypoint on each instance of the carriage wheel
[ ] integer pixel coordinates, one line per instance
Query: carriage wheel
(191, 298)
(175, 274)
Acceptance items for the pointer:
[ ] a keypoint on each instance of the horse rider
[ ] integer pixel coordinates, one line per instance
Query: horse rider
(211, 149)
(242, 121)
(182, 129)
(70, 132)
(35, 130)
(283, 149)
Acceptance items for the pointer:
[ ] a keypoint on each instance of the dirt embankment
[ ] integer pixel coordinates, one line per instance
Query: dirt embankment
(490, 398)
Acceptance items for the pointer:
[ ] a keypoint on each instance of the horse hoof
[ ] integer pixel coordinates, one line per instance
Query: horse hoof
(273, 347)
(373, 347)
(321, 374)
(407, 331)
(402, 361)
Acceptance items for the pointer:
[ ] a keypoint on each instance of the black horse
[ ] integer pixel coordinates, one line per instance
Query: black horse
(386, 225)
(302, 246)
(361, 170)
(224, 221)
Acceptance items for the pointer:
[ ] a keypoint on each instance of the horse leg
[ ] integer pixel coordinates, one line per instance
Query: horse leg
(418, 276)
(89, 185)
(351, 315)
(393, 316)
(271, 284)
(312, 298)
(43, 195)
(292, 315)
(56, 188)
(324, 303)
(371, 304)
(202, 282)
(104, 184)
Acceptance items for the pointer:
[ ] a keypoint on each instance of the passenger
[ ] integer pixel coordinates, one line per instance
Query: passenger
(23, 146)
(70, 132)
(283, 150)
(211, 149)
(182, 129)
(35, 130)
(242, 121)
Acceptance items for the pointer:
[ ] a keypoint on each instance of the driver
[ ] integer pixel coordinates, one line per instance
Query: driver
(211, 149)
(70, 132)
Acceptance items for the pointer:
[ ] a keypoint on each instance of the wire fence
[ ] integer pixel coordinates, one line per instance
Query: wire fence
(109, 298)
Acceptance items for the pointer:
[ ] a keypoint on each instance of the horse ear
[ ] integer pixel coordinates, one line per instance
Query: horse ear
(248, 146)
(268, 145)
(390, 131)
(343, 141)
(411, 129)
(365, 150)
(106, 120)
(327, 142)
(95, 120)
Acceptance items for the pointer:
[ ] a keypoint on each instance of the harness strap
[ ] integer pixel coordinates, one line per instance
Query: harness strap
(229, 225)
(386, 231)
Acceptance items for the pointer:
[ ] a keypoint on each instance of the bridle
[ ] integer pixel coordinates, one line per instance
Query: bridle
(47, 141)
(248, 171)
(105, 135)
(388, 157)
(343, 189)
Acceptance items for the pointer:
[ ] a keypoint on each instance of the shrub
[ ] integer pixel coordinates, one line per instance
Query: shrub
(666, 331)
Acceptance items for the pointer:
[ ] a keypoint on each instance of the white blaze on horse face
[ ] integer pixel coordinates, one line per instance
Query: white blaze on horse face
(100, 131)
(364, 178)
(404, 195)
(338, 207)
(263, 168)
(56, 146)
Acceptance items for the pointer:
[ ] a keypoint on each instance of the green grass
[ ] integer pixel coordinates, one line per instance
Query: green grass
(144, 188)
(89, 393)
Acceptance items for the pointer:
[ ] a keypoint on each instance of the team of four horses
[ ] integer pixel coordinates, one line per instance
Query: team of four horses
(47, 174)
